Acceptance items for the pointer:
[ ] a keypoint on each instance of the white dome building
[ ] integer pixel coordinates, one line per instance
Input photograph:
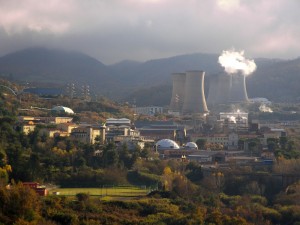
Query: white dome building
(191, 145)
(166, 144)
(62, 109)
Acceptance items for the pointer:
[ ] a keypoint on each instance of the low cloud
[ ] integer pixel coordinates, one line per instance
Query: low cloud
(146, 29)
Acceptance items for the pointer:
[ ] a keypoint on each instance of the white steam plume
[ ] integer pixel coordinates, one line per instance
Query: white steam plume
(234, 62)
(264, 108)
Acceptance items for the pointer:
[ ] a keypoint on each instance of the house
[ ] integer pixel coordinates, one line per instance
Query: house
(26, 128)
(67, 127)
(88, 134)
(40, 190)
(53, 132)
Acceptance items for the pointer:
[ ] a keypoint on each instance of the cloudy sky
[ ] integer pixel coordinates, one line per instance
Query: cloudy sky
(113, 30)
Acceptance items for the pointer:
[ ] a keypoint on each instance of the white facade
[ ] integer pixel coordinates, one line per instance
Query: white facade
(217, 139)
(233, 141)
(118, 122)
(149, 110)
(166, 144)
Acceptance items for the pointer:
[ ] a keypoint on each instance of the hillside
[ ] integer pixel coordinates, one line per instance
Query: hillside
(279, 81)
(158, 71)
(52, 66)
(275, 79)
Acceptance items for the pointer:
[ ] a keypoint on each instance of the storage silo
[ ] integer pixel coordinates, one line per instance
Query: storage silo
(177, 92)
(194, 97)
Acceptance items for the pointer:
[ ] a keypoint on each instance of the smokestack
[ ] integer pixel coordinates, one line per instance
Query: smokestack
(194, 98)
(218, 92)
(238, 91)
(177, 92)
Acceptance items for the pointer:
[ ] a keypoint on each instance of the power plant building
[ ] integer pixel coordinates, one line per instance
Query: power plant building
(238, 91)
(188, 93)
(224, 88)
(177, 92)
(218, 92)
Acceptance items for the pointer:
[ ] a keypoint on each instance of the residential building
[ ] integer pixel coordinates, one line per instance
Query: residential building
(88, 134)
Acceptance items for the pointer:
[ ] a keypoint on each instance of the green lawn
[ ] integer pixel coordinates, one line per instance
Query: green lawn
(103, 191)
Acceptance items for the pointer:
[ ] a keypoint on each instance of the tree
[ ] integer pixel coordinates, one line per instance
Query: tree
(253, 145)
(3, 158)
(34, 166)
(201, 143)
(112, 158)
(272, 146)
(167, 179)
(194, 172)
(19, 203)
(3, 177)
(283, 141)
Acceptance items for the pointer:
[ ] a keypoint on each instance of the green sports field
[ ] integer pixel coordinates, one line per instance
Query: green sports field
(102, 191)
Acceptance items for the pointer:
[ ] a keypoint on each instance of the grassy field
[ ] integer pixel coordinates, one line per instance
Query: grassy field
(103, 191)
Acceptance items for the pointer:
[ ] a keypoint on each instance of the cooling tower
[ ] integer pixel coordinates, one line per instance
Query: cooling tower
(194, 98)
(177, 92)
(219, 87)
(238, 91)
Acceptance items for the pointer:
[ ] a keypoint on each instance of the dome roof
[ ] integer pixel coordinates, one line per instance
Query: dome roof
(62, 109)
(192, 145)
(167, 144)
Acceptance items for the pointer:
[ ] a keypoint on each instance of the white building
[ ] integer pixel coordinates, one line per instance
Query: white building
(149, 110)
(88, 134)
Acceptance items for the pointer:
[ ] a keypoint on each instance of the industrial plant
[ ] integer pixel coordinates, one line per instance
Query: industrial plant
(224, 89)
(188, 93)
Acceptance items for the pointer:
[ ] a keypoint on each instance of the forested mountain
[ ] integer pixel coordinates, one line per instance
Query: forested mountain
(278, 81)
(57, 67)
(275, 79)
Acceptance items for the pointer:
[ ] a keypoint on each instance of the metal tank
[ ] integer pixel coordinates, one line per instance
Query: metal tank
(194, 98)
(177, 92)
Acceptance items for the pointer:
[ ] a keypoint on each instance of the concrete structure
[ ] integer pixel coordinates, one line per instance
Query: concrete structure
(238, 91)
(131, 141)
(178, 92)
(117, 127)
(26, 128)
(218, 92)
(38, 119)
(234, 121)
(157, 132)
(194, 98)
(217, 139)
(88, 134)
(67, 127)
(191, 145)
(118, 122)
(62, 109)
(233, 141)
(224, 88)
(165, 144)
(274, 133)
(53, 132)
(149, 110)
